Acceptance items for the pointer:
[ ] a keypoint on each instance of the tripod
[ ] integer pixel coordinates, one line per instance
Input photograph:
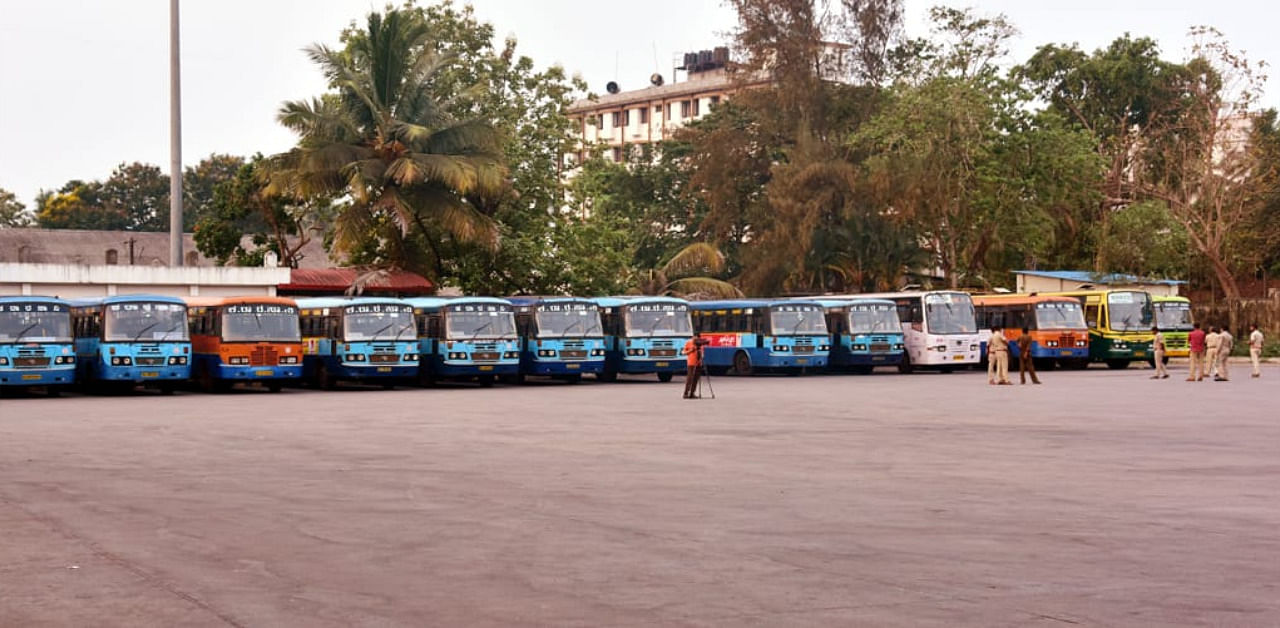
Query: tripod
(704, 376)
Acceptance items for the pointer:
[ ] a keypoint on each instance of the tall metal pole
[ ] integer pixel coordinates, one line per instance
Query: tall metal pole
(175, 139)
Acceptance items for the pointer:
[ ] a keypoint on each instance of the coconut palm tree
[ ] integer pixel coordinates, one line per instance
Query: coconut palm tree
(677, 276)
(386, 145)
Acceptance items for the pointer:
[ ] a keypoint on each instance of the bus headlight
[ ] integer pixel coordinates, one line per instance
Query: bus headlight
(1120, 344)
(122, 361)
(4, 361)
(457, 355)
(1051, 343)
(597, 352)
(635, 352)
(781, 348)
(940, 348)
(898, 347)
(410, 357)
(824, 348)
(1081, 343)
(291, 359)
(859, 347)
(355, 357)
(546, 353)
(238, 360)
(973, 347)
(510, 355)
(178, 359)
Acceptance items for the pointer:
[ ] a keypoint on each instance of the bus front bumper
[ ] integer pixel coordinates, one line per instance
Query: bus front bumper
(791, 361)
(143, 374)
(640, 366)
(1055, 353)
(59, 376)
(870, 359)
(539, 367)
(258, 373)
(375, 371)
(451, 369)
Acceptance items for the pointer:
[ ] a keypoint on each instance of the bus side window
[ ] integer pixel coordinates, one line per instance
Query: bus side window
(1091, 316)
(332, 328)
(433, 326)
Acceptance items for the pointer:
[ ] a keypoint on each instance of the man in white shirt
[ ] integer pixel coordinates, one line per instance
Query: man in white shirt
(1255, 349)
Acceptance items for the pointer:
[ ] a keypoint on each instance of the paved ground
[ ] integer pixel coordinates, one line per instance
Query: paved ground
(1100, 498)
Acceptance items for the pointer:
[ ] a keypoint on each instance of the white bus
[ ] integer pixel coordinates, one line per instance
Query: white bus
(939, 327)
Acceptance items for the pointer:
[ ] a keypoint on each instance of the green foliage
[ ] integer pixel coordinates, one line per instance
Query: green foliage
(12, 212)
(200, 181)
(241, 206)
(1145, 239)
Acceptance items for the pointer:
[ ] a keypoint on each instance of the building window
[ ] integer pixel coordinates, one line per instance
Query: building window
(686, 109)
(617, 119)
(715, 100)
(600, 121)
(113, 257)
(644, 115)
(668, 111)
(696, 102)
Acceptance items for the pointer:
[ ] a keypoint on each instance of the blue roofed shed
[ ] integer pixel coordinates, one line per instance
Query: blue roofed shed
(1067, 280)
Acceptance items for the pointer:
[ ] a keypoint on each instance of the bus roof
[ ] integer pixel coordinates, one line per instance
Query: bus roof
(127, 298)
(887, 295)
(1021, 299)
(837, 303)
(435, 303)
(1169, 299)
(735, 304)
(538, 300)
(254, 299)
(315, 302)
(634, 300)
(33, 299)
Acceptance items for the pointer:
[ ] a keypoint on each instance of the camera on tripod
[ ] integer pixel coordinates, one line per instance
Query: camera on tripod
(701, 341)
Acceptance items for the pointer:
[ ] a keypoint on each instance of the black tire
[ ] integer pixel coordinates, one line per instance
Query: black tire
(1043, 364)
(742, 363)
(574, 378)
(324, 379)
(905, 366)
(665, 377)
(167, 388)
(53, 391)
(947, 369)
(275, 387)
(607, 376)
(863, 369)
(1118, 364)
(486, 381)
(426, 377)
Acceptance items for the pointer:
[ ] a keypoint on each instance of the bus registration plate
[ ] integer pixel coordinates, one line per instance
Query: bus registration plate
(1065, 352)
(384, 369)
(663, 365)
(30, 376)
(957, 358)
(1139, 354)
(151, 373)
(573, 366)
(486, 367)
(802, 360)
(263, 373)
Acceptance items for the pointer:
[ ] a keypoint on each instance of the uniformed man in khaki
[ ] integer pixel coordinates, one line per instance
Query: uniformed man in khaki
(1212, 342)
(998, 359)
(1226, 343)
(1255, 349)
(1157, 345)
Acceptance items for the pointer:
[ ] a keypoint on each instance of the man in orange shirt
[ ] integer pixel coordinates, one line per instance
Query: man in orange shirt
(693, 351)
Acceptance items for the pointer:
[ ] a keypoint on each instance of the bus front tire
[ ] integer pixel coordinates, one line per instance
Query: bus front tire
(324, 380)
(1118, 364)
(905, 367)
(607, 376)
(742, 363)
(275, 387)
(665, 377)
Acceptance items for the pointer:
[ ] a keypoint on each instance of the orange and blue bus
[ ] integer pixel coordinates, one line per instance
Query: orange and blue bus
(35, 343)
(750, 335)
(561, 337)
(1059, 335)
(250, 340)
(130, 340)
(361, 339)
(466, 338)
(865, 333)
(644, 335)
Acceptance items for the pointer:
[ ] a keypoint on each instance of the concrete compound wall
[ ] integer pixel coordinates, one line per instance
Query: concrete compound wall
(80, 280)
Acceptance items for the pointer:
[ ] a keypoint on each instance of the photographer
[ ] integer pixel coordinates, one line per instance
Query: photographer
(693, 352)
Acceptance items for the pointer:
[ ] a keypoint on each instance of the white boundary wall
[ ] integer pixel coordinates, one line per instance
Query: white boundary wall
(75, 280)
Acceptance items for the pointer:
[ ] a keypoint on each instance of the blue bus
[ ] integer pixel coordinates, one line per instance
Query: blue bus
(644, 335)
(35, 343)
(363, 339)
(130, 340)
(466, 338)
(865, 333)
(561, 337)
(749, 335)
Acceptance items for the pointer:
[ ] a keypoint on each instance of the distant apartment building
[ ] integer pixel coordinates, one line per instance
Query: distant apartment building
(642, 116)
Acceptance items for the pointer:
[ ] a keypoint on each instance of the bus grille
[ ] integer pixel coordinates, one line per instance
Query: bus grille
(141, 361)
(662, 353)
(485, 356)
(664, 343)
(264, 356)
(384, 349)
(487, 347)
(148, 349)
(384, 357)
(574, 344)
(30, 352)
(30, 362)
(879, 347)
(573, 354)
(803, 349)
(1175, 343)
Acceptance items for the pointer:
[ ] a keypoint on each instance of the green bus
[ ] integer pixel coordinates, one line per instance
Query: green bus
(1173, 317)
(1120, 323)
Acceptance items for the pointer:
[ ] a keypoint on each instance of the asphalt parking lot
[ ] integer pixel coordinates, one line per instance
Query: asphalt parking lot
(1099, 498)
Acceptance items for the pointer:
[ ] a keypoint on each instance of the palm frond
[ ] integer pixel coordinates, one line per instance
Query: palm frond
(697, 257)
(702, 288)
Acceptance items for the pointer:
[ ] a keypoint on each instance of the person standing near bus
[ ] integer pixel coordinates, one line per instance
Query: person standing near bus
(1025, 363)
(998, 359)
(693, 365)
(1157, 345)
(1255, 349)
(1212, 342)
(1196, 340)
(1228, 342)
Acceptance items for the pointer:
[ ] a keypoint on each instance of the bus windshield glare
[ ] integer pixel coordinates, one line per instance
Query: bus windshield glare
(874, 319)
(568, 320)
(949, 313)
(662, 319)
(260, 323)
(492, 322)
(145, 322)
(1059, 315)
(34, 322)
(1174, 316)
(1129, 311)
(792, 320)
(378, 321)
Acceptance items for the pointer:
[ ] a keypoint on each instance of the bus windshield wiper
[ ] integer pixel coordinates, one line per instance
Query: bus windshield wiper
(144, 330)
(168, 331)
(475, 333)
(402, 330)
(374, 336)
(565, 332)
(25, 330)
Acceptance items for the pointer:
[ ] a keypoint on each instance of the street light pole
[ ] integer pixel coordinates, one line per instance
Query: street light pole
(175, 139)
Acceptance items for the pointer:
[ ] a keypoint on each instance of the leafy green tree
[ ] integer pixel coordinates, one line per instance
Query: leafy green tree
(242, 206)
(689, 274)
(78, 205)
(141, 193)
(1145, 239)
(201, 180)
(386, 140)
(12, 212)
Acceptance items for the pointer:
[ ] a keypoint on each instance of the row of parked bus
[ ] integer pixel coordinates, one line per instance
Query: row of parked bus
(166, 342)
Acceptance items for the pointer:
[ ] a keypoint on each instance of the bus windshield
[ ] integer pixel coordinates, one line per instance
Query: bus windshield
(1129, 311)
(1174, 316)
(874, 319)
(145, 322)
(794, 320)
(1059, 315)
(34, 322)
(949, 313)
(568, 320)
(260, 323)
(666, 319)
(467, 322)
(378, 322)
